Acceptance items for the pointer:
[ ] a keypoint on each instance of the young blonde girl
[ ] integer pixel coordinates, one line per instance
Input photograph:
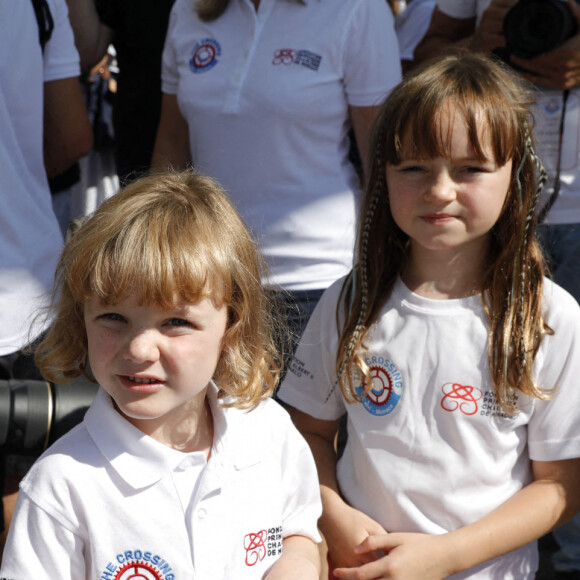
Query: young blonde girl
(182, 467)
(457, 361)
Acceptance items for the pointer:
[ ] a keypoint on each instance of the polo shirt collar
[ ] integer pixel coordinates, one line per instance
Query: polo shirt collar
(142, 461)
(139, 459)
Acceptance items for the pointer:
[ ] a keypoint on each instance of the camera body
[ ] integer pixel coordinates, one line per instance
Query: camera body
(535, 27)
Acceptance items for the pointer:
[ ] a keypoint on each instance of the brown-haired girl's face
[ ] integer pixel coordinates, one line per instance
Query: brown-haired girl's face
(448, 203)
(155, 362)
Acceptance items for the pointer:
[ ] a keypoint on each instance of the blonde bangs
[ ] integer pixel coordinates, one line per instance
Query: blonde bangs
(157, 255)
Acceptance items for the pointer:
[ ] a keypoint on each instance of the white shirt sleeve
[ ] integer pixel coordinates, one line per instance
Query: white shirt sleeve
(310, 382)
(303, 506)
(40, 547)
(412, 24)
(370, 53)
(554, 428)
(61, 58)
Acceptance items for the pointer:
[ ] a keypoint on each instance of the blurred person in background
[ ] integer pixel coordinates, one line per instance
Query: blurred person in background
(136, 29)
(45, 130)
(261, 95)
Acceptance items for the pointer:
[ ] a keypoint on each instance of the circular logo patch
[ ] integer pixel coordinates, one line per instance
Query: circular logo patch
(138, 565)
(137, 571)
(205, 55)
(387, 386)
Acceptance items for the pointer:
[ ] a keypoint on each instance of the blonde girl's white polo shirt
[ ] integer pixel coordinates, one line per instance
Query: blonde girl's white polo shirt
(107, 501)
(266, 96)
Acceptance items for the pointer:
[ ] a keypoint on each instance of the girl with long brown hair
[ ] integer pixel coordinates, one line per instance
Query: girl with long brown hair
(454, 359)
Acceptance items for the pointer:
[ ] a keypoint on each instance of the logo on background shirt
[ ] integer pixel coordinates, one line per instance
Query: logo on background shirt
(204, 55)
(552, 106)
(460, 397)
(264, 543)
(288, 56)
(387, 386)
(141, 564)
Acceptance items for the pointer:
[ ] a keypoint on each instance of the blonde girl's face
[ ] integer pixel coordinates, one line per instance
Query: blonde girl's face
(155, 363)
(448, 203)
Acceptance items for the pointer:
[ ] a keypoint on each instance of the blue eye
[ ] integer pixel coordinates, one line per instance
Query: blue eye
(113, 316)
(178, 322)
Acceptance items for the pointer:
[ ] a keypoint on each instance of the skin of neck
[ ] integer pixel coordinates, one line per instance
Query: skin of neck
(194, 431)
(439, 275)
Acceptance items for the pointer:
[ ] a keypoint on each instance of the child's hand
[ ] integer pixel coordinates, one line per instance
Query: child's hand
(408, 557)
(349, 528)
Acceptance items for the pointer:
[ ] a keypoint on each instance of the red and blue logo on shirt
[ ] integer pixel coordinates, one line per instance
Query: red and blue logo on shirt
(141, 564)
(204, 55)
(287, 56)
(387, 386)
(258, 545)
(462, 398)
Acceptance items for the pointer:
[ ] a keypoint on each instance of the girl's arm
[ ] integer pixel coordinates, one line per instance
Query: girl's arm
(92, 37)
(172, 141)
(342, 526)
(550, 500)
(300, 559)
(68, 134)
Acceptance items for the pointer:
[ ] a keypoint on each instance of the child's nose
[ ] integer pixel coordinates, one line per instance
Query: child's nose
(441, 188)
(142, 347)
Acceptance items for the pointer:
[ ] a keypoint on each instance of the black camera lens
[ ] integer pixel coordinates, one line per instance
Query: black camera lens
(33, 414)
(535, 27)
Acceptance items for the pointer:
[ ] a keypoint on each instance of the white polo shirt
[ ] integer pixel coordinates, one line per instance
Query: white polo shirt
(429, 450)
(30, 238)
(266, 95)
(547, 115)
(106, 501)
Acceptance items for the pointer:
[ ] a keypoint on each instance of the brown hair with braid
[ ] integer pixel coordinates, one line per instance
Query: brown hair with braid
(483, 90)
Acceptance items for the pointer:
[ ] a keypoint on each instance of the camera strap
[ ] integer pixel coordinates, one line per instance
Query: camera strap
(557, 183)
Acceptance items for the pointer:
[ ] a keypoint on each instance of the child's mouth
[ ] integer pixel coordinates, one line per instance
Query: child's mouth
(142, 380)
(142, 384)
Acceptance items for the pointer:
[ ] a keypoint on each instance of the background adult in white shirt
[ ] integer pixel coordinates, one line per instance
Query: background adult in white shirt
(45, 129)
(261, 97)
